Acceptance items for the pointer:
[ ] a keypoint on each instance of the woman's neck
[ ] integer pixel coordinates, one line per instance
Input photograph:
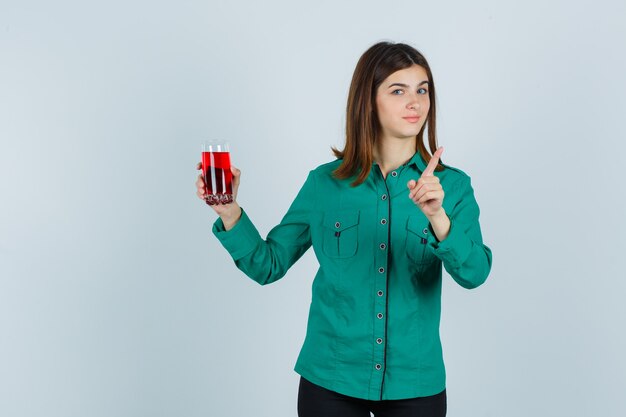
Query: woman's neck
(390, 153)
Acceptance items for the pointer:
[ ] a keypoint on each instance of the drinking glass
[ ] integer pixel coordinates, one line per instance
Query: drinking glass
(218, 179)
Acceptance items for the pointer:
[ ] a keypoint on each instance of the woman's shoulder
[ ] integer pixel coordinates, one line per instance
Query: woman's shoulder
(326, 168)
(323, 175)
(455, 171)
(454, 176)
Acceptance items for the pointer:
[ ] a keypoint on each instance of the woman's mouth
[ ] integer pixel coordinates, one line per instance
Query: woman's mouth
(412, 119)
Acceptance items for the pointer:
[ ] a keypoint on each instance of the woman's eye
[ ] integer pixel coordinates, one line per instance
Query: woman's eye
(396, 92)
(422, 91)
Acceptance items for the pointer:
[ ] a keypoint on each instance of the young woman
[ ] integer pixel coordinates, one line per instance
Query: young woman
(383, 219)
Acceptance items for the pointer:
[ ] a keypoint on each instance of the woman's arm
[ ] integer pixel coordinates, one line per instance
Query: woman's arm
(231, 216)
(266, 261)
(463, 253)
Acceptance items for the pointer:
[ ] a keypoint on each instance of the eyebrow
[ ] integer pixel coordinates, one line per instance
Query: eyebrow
(405, 85)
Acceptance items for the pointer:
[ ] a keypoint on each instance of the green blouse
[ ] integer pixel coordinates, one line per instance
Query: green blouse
(373, 328)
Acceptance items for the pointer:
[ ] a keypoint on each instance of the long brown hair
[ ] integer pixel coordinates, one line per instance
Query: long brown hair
(362, 124)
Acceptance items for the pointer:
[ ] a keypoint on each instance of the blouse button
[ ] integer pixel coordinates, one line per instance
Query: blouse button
(383, 221)
(394, 174)
(425, 231)
(337, 225)
(383, 197)
(379, 340)
(379, 315)
(382, 246)
(380, 293)
(378, 366)
(381, 269)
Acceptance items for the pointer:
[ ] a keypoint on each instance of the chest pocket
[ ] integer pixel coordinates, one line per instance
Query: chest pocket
(340, 230)
(417, 249)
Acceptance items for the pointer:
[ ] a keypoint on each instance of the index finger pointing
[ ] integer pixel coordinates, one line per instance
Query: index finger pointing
(432, 164)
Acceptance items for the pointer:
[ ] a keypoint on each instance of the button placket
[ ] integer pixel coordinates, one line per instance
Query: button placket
(380, 290)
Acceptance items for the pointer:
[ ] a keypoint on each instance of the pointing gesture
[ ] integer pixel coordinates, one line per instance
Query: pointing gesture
(427, 193)
(432, 164)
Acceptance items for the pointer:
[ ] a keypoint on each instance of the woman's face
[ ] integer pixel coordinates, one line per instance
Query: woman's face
(402, 103)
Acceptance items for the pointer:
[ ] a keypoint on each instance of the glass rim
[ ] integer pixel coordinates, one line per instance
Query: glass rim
(215, 144)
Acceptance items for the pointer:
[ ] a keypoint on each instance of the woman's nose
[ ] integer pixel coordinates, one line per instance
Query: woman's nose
(413, 102)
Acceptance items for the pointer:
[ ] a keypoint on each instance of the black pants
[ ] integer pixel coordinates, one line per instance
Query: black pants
(315, 401)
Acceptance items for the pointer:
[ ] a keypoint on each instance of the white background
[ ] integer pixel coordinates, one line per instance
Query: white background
(116, 299)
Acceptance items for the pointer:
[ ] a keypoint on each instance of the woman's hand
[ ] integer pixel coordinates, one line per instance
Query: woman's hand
(229, 212)
(427, 193)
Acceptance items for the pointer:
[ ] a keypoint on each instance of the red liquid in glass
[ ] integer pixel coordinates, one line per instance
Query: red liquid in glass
(218, 178)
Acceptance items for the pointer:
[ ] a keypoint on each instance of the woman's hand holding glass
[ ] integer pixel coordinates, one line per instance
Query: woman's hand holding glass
(228, 212)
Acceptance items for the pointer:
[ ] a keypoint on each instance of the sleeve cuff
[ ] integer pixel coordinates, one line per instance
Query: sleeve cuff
(454, 249)
(239, 241)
